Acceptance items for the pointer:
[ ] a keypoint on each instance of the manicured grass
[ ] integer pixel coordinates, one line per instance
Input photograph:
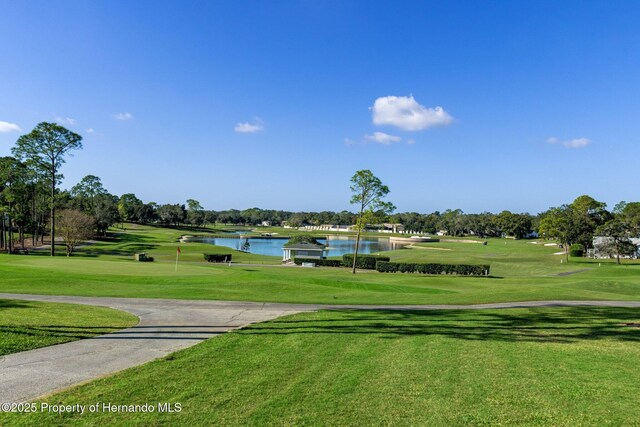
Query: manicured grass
(25, 325)
(539, 366)
(522, 271)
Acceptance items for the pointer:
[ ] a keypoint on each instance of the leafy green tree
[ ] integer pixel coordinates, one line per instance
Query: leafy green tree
(45, 147)
(630, 213)
(148, 213)
(86, 191)
(368, 192)
(617, 233)
(13, 181)
(587, 215)
(105, 212)
(452, 221)
(557, 224)
(195, 212)
(296, 220)
(172, 214)
(516, 225)
(129, 207)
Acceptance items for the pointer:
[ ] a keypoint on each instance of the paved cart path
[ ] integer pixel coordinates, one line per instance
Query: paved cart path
(165, 326)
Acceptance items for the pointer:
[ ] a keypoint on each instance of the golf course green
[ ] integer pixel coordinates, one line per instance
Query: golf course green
(520, 271)
(534, 366)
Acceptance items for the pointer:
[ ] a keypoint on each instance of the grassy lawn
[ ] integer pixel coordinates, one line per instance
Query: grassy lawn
(543, 366)
(521, 270)
(25, 325)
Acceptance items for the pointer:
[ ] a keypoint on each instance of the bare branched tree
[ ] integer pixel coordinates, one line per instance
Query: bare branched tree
(74, 226)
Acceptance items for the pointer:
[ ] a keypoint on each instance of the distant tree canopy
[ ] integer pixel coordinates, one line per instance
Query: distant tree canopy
(172, 214)
(29, 197)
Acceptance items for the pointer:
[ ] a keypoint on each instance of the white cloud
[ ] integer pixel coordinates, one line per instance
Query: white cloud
(406, 113)
(90, 130)
(349, 141)
(382, 138)
(247, 127)
(571, 143)
(65, 120)
(411, 141)
(123, 116)
(9, 127)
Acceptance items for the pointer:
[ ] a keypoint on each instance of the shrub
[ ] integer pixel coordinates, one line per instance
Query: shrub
(432, 268)
(143, 257)
(367, 262)
(576, 250)
(319, 262)
(217, 257)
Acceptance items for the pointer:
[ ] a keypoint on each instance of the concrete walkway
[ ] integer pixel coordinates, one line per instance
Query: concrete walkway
(165, 326)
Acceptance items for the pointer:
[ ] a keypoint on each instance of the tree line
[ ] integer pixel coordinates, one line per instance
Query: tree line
(33, 206)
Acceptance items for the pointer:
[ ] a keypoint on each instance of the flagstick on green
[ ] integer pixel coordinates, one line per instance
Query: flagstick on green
(177, 255)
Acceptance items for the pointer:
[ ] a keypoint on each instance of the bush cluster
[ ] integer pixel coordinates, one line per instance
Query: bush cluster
(576, 250)
(432, 268)
(217, 257)
(143, 257)
(367, 262)
(319, 262)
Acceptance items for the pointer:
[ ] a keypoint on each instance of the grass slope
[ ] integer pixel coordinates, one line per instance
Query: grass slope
(521, 270)
(25, 325)
(539, 366)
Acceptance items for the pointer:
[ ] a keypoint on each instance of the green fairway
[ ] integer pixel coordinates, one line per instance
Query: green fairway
(539, 366)
(25, 325)
(520, 271)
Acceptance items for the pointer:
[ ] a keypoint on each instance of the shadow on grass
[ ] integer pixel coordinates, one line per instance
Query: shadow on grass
(558, 325)
(61, 333)
(124, 250)
(55, 332)
(9, 303)
(114, 243)
(123, 244)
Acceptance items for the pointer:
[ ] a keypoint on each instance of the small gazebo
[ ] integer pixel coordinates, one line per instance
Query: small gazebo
(303, 250)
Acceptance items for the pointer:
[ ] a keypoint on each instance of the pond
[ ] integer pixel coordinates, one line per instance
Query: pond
(337, 245)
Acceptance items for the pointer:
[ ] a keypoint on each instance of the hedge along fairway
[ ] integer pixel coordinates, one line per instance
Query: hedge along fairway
(432, 268)
(218, 257)
(25, 325)
(522, 271)
(538, 366)
(367, 262)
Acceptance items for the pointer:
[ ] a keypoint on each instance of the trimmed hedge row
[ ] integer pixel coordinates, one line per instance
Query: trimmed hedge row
(414, 267)
(367, 262)
(217, 257)
(320, 262)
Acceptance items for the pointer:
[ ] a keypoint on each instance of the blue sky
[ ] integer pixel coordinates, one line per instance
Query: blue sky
(512, 105)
